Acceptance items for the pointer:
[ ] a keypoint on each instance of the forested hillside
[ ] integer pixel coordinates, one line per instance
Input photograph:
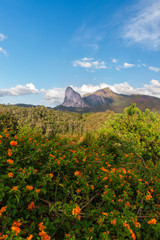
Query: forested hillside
(50, 122)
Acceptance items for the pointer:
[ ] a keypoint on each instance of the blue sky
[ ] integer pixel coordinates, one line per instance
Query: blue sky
(47, 45)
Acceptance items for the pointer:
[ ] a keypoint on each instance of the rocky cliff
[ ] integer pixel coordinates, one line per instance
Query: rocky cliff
(73, 99)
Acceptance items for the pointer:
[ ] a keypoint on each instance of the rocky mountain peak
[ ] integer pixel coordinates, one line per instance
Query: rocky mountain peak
(73, 99)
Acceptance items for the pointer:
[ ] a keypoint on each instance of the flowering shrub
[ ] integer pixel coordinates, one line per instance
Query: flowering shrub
(57, 189)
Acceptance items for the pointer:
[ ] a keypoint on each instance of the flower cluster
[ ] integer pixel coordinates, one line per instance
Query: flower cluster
(3, 209)
(76, 211)
(31, 206)
(125, 224)
(13, 143)
(152, 221)
(42, 234)
(16, 227)
(29, 187)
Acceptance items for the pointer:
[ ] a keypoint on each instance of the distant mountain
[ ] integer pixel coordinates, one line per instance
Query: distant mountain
(103, 97)
(106, 99)
(73, 99)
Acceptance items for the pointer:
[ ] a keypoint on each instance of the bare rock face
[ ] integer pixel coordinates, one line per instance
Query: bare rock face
(73, 99)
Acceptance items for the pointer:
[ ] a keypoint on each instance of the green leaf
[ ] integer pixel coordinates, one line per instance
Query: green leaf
(51, 209)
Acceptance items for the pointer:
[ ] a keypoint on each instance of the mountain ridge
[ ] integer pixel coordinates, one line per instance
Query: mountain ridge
(105, 99)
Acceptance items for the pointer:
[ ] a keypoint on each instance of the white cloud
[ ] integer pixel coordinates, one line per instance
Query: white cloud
(19, 90)
(117, 68)
(128, 65)
(114, 60)
(89, 63)
(2, 37)
(154, 69)
(3, 51)
(87, 59)
(53, 96)
(144, 27)
(82, 64)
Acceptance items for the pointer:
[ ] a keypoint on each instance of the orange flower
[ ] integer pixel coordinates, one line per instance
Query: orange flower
(104, 213)
(152, 221)
(76, 211)
(17, 223)
(133, 235)
(137, 224)
(38, 190)
(148, 197)
(13, 143)
(10, 175)
(3, 237)
(9, 152)
(3, 209)
(67, 235)
(30, 237)
(76, 173)
(31, 206)
(15, 227)
(29, 187)
(44, 236)
(16, 230)
(10, 161)
(92, 187)
(51, 175)
(103, 169)
(151, 190)
(41, 226)
(113, 222)
(15, 188)
(78, 190)
(128, 204)
(105, 178)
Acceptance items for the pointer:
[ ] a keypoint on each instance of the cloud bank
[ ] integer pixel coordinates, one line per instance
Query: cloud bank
(55, 96)
(19, 90)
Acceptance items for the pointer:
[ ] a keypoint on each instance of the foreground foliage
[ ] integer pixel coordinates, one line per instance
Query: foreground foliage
(107, 187)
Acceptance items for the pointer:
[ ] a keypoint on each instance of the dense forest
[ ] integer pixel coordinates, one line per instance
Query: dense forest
(71, 176)
(50, 122)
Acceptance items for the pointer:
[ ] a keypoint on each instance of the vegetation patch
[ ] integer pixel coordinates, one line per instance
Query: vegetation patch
(104, 187)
